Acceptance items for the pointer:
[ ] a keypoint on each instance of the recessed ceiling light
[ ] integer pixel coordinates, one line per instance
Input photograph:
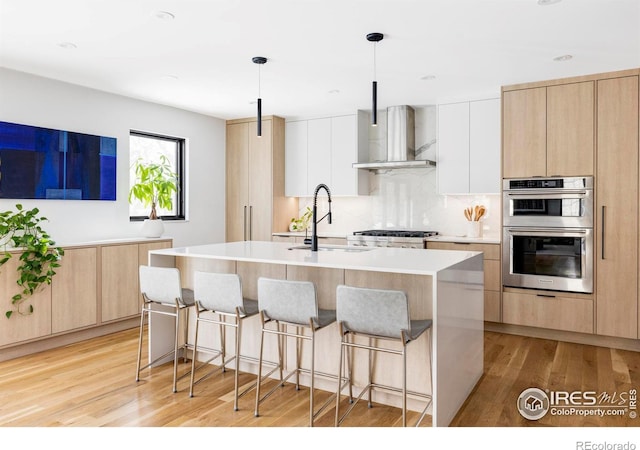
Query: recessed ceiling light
(67, 45)
(548, 2)
(563, 58)
(164, 15)
(428, 77)
(334, 91)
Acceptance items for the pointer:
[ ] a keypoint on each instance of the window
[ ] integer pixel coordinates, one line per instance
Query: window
(152, 148)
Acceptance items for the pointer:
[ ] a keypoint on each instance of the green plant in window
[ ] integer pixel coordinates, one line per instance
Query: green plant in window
(155, 185)
(39, 257)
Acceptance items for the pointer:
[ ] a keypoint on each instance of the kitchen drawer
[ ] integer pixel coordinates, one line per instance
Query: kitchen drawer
(491, 251)
(569, 313)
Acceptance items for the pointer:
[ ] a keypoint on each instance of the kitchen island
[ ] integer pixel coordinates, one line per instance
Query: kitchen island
(442, 285)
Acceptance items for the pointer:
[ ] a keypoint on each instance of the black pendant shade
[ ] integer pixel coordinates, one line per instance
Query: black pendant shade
(375, 38)
(259, 60)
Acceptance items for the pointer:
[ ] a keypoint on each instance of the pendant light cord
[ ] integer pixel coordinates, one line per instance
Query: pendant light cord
(374, 61)
(259, 80)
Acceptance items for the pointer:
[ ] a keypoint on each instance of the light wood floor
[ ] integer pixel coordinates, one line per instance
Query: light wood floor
(92, 383)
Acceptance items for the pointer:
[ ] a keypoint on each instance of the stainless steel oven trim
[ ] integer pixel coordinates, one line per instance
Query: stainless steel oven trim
(574, 182)
(584, 221)
(582, 285)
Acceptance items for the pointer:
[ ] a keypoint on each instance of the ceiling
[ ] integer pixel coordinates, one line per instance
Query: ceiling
(319, 61)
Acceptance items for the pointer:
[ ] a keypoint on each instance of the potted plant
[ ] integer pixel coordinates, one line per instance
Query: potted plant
(302, 223)
(155, 185)
(22, 230)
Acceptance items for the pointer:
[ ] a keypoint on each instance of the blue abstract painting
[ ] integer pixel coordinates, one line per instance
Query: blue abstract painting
(42, 163)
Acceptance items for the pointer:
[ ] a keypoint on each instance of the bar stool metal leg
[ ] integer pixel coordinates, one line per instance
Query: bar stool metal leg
(175, 349)
(195, 349)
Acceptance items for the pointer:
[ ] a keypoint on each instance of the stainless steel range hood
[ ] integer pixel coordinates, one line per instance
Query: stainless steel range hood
(400, 142)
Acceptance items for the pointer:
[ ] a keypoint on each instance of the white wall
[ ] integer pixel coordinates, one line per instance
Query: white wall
(43, 102)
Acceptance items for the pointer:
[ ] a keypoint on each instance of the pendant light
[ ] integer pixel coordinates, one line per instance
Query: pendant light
(259, 60)
(375, 38)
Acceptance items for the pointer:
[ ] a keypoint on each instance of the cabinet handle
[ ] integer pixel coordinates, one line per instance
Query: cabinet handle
(250, 222)
(545, 295)
(244, 224)
(602, 235)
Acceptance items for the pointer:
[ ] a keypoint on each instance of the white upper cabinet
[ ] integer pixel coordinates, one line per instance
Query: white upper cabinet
(318, 153)
(295, 178)
(345, 180)
(453, 148)
(323, 151)
(484, 146)
(469, 147)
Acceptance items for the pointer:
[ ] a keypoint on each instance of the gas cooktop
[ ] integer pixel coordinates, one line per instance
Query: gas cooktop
(396, 233)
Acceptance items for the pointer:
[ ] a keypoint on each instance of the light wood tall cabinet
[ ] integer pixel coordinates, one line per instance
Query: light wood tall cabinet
(255, 201)
(580, 126)
(617, 208)
(548, 130)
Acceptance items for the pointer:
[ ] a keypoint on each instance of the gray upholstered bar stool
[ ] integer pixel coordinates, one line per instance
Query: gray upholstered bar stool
(218, 297)
(377, 314)
(161, 286)
(283, 303)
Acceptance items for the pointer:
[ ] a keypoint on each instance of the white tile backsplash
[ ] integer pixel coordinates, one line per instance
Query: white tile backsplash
(407, 198)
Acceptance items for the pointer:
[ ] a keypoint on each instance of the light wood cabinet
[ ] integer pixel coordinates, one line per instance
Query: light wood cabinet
(524, 133)
(255, 201)
(94, 292)
(617, 208)
(121, 296)
(549, 130)
(469, 147)
(570, 129)
(22, 327)
(120, 282)
(74, 290)
(546, 309)
(492, 283)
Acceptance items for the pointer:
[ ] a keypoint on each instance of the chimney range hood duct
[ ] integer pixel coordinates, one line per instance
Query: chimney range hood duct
(400, 142)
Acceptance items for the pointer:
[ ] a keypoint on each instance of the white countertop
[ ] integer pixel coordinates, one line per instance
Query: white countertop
(377, 259)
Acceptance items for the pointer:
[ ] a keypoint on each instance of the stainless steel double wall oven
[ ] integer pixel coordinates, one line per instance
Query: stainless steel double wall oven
(548, 234)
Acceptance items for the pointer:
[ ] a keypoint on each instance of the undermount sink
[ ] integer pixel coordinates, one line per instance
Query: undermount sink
(334, 248)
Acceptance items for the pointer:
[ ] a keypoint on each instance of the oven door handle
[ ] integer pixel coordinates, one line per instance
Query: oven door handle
(546, 231)
(542, 195)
